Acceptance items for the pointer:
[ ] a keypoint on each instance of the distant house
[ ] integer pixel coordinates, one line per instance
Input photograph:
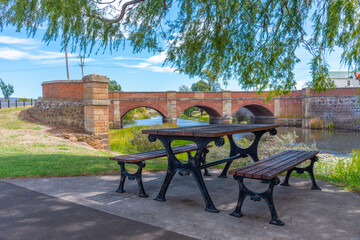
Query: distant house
(343, 79)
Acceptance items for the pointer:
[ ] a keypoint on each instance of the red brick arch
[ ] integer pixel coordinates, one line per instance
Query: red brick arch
(213, 109)
(258, 108)
(159, 109)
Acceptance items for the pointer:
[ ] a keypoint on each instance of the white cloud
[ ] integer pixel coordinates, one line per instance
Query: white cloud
(162, 69)
(129, 58)
(21, 41)
(160, 58)
(12, 54)
(62, 60)
(146, 63)
(148, 66)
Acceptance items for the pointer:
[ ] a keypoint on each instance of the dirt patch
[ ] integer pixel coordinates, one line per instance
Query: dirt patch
(75, 135)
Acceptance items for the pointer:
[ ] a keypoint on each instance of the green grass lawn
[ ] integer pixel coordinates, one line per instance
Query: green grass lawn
(26, 150)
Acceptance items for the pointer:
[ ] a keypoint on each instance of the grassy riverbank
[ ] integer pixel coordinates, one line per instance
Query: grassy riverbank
(27, 150)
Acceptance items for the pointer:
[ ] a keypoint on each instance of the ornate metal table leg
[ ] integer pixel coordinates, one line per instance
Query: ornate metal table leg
(251, 151)
(203, 161)
(267, 196)
(210, 207)
(169, 175)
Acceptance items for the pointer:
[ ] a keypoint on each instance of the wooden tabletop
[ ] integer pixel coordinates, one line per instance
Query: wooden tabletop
(213, 130)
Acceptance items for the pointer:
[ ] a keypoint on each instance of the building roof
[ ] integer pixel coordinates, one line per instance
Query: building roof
(340, 74)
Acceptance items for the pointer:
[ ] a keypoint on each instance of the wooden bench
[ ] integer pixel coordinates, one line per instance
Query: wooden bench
(140, 158)
(268, 171)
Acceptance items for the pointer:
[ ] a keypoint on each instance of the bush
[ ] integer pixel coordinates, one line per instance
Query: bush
(316, 123)
(23, 100)
(268, 146)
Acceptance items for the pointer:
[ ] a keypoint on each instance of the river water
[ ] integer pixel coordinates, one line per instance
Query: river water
(333, 142)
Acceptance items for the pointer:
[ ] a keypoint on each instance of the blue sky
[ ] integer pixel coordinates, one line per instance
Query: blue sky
(27, 62)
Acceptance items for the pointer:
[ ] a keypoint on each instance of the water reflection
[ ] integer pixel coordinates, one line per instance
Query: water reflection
(334, 142)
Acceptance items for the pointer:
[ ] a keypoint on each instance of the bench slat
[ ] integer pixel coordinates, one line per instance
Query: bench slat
(284, 168)
(275, 160)
(279, 162)
(274, 165)
(137, 157)
(235, 171)
(268, 161)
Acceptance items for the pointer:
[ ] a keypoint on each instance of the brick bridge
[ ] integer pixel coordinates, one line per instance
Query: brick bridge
(292, 109)
(86, 104)
(219, 105)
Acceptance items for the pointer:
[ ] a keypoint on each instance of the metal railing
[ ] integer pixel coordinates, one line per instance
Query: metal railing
(16, 103)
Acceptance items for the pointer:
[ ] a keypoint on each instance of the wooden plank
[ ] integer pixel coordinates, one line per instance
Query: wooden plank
(287, 160)
(282, 162)
(137, 157)
(259, 166)
(284, 168)
(214, 130)
(234, 171)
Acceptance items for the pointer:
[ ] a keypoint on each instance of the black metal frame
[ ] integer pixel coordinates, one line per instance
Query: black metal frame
(197, 162)
(257, 196)
(132, 176)
(251, 151)
(309, 169)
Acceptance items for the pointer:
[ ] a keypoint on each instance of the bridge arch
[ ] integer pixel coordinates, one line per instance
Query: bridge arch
(128, 109)
(261, 113)
(215, 116)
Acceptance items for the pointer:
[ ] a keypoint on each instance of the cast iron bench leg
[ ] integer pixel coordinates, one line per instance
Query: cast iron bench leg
(131, 176)
(309, 169)
(267, 196)
(122, 178)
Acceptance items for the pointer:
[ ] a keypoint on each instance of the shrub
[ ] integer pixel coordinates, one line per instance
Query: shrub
(23, 100)
(268, 146)
(316, 123)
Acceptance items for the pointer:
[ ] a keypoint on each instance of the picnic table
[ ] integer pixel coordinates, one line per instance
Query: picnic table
(202, 136)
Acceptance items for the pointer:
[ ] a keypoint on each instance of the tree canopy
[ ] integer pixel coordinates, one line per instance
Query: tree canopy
(184, 88)
(7, 89)
(114, 86)
(251, 41)
(200, 86)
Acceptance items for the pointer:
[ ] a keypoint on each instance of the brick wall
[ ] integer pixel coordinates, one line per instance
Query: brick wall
(63, 89)
(66, 112)
(342, 111)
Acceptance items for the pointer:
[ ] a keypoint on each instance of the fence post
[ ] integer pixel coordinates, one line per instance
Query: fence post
(0, 103)
(24, 102)
(16, 103)
(8, 103)
(31, 102)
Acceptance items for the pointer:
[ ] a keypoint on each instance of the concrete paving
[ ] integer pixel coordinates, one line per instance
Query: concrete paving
(26, 214)
(308, 214)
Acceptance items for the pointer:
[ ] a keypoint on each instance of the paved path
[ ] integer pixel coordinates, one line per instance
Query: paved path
(26, 214)
(328, 214)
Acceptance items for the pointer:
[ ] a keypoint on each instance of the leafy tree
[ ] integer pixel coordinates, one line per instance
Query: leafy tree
(188, 111)
(212, 80)
(114, 86)
(7, 89)
(184, 88)
(251, 41)
(201, 86)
